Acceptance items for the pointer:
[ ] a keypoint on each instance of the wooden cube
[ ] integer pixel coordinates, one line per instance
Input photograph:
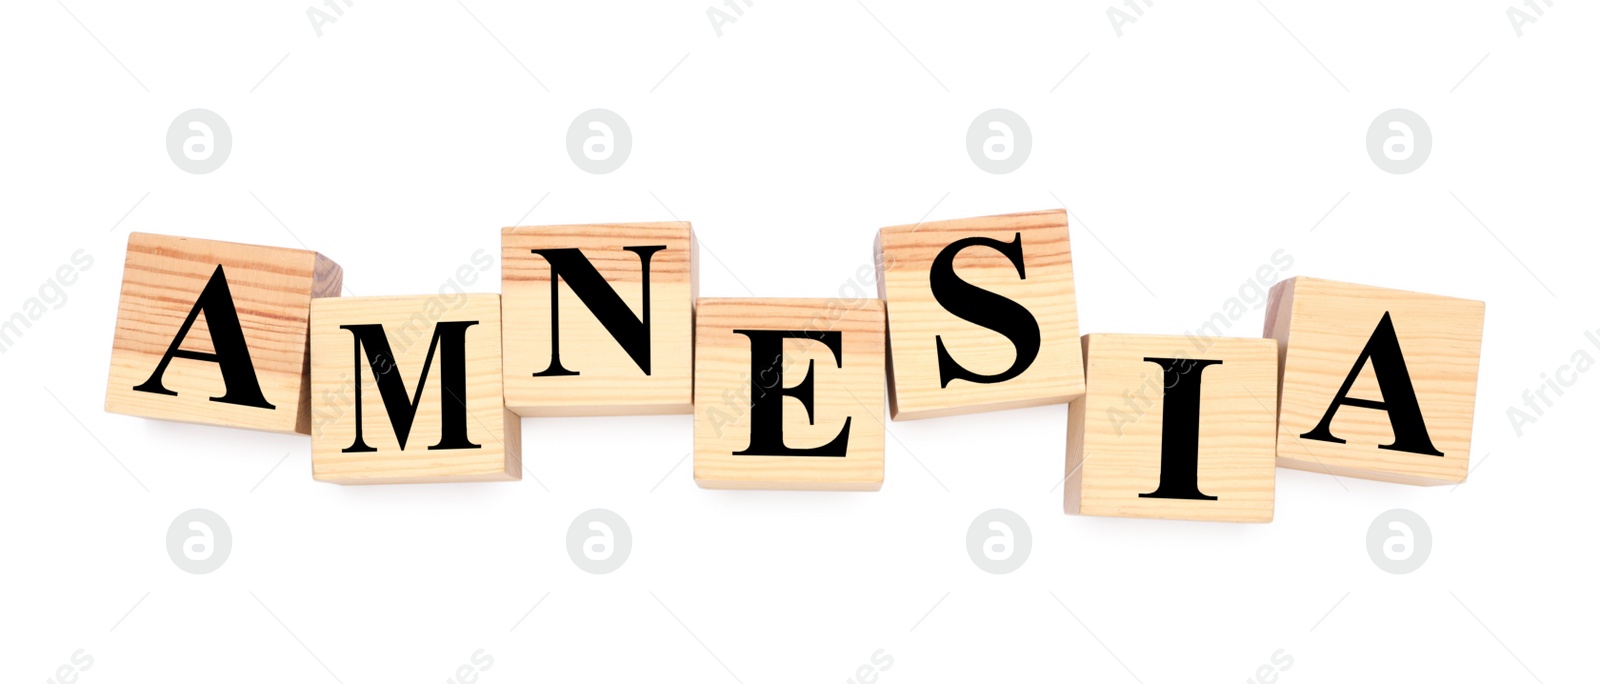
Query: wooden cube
(789, 394)
(215, 332)
(982, 314)
(599, 318)
(1167, 430)
(407, 389)
(1376, 383)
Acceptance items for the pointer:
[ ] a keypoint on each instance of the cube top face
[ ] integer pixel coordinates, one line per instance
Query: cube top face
(1154, 438)
(1333, 333)
(601, 361)
(759, 364)
(440, 354)
(252, 301)
(997, 294)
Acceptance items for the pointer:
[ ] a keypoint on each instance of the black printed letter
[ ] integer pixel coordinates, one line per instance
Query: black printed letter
(1180, 429)
(631, 332)
(1399, 397)
(766, 400)
(450, 341)
(227, 339)
(977, 305)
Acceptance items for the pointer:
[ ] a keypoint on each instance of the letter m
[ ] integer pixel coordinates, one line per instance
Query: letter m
(450, 344)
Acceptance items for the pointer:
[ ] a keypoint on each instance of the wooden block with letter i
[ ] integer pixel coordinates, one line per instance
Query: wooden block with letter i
(215, 332)
(982, 314)
(1169, 431)
(789, 394)
(1376, 383)
(598, 318)
(407, 389)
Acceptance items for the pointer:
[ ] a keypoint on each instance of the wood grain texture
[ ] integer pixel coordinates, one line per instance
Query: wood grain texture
(852, 387)
(1323, 326)
(272, 290)
(1115, 429)
(609, 382)
(409, 323)
(905, 256)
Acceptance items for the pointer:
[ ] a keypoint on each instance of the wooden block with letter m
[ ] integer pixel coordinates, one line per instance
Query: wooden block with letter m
(598, 318)
(789, 394)
(407, 389)
(1376, 383)
(215, 332)
(982, 314)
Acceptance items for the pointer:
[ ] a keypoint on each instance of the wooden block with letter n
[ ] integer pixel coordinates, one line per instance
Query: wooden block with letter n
(982, 314)
(789, 394)
(1376, 383)
(1169, 431)
(599, 318)
(407, 389)
(215, 332)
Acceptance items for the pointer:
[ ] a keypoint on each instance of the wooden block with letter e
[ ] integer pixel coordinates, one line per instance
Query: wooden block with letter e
(789, 394)
(215, 332)
(1376, 383)
(1167, 431)
(408, 389)
(982, 314)
(599, 318)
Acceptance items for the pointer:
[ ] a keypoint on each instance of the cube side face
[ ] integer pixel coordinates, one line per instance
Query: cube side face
(605, 379)
(270, 289)
(849, 386)
(481, 440)
(1328, 325)
(918, 321)
(1117, 430)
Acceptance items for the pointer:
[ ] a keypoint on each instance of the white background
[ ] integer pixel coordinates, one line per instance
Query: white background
(1189, 149)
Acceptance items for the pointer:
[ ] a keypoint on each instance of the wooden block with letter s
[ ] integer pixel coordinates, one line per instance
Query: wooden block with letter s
(1376, 383)
(982, 314)
(408, 389)
(1170, 431)
(215, 332)
(789, 394)
(599, 318)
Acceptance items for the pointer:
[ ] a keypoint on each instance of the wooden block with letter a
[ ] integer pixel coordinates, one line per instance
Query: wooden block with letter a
(1170, 431)
(789, 394)
(599, 318)
(215, 332)
(982, 314)
(1376, 383)
(407, 389)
